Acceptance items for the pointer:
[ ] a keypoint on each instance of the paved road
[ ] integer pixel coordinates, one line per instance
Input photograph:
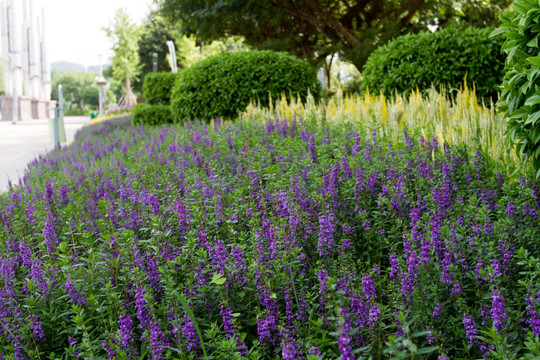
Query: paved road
(23, 142)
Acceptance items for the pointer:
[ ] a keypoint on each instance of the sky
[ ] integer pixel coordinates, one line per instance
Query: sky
(74, 27)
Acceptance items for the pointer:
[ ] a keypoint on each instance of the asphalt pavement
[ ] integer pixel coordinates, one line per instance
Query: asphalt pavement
(23, 142)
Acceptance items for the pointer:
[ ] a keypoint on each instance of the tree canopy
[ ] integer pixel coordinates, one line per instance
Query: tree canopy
(312, 29)
(155, 33)
(125, 36)
(73, 86)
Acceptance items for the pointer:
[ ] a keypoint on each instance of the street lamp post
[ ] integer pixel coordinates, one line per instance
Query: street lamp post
(101, 83)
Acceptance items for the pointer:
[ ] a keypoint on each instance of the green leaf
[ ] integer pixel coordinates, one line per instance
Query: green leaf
(533, 118)
(533, 42)
(498, 31)
(189, 313)
(426, 350)
(218, 279)
(533, 100)
(534, 60)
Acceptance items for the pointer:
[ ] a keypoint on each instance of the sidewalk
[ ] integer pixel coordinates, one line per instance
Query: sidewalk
(23, 142)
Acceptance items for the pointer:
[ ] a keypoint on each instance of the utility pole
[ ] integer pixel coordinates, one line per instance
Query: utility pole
(101, 82)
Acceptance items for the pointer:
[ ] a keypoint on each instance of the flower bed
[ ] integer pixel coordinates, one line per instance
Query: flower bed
(284, 239)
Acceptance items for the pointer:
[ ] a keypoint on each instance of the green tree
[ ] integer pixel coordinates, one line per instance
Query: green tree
(155, 33)
(115, 86)
(125, 36)
(476, 13)
(73, 87)
(90, 97)
(313, 29)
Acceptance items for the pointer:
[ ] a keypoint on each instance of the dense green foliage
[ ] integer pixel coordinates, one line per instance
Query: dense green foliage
(287, 239)
(124, 35)
(152, 114)
(314, 29)
(520, 99)
(74, 85)
(155, 32)
(157, 87)
(445, 57)
(223, 85)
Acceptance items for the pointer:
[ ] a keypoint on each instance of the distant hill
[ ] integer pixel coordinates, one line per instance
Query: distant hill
(66, 66)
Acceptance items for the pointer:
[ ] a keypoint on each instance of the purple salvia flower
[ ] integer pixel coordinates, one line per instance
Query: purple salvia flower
(290, 348)
(429, 336)
(156, 341)
(470, 330)
(374, 315)
(226, 314)
(37, 276)
(35, 326)
(49, 234)
(190, 334)
(408, 141)
(395, 269)
(125, 328)
(534, 316)
(368, 287)
(153, 275)
(326, 235)
(497, 268)
(183, 217)
(237, 254)
(498, 311)
(346, 168)
(141, 308)
(372, 183)
(219, 256)
(111, 354)
(345, 347)
(63, 194)
(73, 293)
(265, 327)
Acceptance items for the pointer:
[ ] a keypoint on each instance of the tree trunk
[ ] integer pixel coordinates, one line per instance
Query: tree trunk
(328, 69)
(130, 97)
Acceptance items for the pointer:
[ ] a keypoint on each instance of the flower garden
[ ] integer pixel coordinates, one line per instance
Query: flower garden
(288, 238)
(214, 223)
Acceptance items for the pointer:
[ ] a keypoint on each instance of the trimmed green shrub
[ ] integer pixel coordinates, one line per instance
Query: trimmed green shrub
(157, 87)
(222, 86)
(444, 57)
(520, 98)
(152, 114)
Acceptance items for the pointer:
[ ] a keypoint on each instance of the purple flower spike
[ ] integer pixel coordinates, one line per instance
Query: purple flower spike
(498, 311)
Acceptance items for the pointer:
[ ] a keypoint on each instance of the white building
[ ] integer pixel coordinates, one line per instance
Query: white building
(27, 74)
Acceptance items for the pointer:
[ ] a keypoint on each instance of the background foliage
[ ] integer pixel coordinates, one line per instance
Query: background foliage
(445, 57)
(155, 32)
(314, 29)
(520, 99)
(147, 114)
(125, 35)
(157, 87)
(223, 85)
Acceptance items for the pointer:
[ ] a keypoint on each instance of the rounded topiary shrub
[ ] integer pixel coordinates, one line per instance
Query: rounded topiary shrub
(222, 86)
(152, 114)
(157, 87)
(444, 57)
